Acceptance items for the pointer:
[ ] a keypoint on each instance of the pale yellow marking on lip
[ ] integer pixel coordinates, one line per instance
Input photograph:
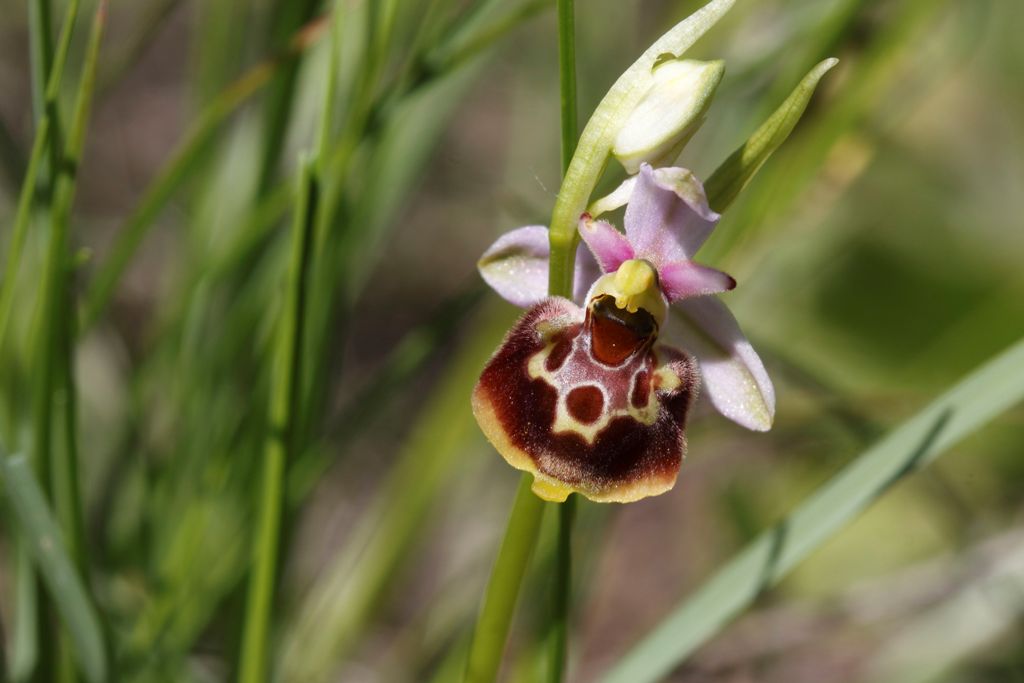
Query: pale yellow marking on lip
(547, 487)
(566, 423)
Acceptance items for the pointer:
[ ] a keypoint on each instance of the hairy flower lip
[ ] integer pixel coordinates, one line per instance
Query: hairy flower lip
(613, 432)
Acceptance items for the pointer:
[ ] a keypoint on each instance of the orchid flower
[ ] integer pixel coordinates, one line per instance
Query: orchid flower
(588, 399)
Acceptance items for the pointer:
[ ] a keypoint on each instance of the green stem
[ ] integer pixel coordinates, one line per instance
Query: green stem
(561, 283)
(288, 16)
(558, 633)
(500, 600)
(491, 632)
(58, 466)
(40, 22)
(44, 141)
(567, 79)
(280, 443)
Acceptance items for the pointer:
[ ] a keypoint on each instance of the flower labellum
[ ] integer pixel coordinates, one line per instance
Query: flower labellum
(586, 399)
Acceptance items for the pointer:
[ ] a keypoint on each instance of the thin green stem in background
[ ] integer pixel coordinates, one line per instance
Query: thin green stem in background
(280, 441)
(491, 632)
(54, 345)
(40, 145)
(287, 16)
(558, 631)
(40, 26)
(567, 79)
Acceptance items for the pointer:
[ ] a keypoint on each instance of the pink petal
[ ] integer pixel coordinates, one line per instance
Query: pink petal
(734, 376)
(668, 217)
(686, 279)
(516, 267)
(608, 245)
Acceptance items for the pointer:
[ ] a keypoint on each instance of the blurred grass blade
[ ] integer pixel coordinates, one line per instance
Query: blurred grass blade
(44, 128)
(177, 169)
(55, 348)
(343, 601)
(40, 27)
(281, 442)
(25, 645)
(36, 524)
(981, 396)
(418, 346)
(728, 180)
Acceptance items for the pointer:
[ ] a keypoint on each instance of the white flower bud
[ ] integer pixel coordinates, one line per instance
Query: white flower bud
(669, 114)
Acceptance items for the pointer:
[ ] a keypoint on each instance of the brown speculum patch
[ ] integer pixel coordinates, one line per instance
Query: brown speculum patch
(588, 401)
(616, 334)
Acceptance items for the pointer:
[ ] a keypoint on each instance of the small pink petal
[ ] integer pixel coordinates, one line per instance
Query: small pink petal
(686, 279)
(668, 217)
(608, 245)
(734, 376)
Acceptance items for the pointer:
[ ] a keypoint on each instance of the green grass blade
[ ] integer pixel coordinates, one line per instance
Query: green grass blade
(40, 23)
(402, 364)
(350, 590)
(40, 145)
(25, 645)
(729, 179)
(46, 544)
(177, 169)
(981, 396)
(55, 347)
(281, 438)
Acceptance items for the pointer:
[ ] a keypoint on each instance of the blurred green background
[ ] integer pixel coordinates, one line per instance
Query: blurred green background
(879, 257)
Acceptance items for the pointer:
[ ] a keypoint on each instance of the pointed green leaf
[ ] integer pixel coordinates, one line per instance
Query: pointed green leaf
(735, 172)
(981, 396)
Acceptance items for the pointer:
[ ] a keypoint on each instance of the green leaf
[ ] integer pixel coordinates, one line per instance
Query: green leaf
(978, 398)
(46, 545)
(735, 172)
(40, 145)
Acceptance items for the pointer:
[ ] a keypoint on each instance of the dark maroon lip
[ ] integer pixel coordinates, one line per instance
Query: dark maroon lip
(605, 447)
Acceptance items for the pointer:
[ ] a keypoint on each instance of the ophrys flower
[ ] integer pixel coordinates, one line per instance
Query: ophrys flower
(591, 399)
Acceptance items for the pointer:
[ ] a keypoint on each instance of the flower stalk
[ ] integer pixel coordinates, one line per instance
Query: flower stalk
(558, 631)
(281, 437)
(583, 164)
